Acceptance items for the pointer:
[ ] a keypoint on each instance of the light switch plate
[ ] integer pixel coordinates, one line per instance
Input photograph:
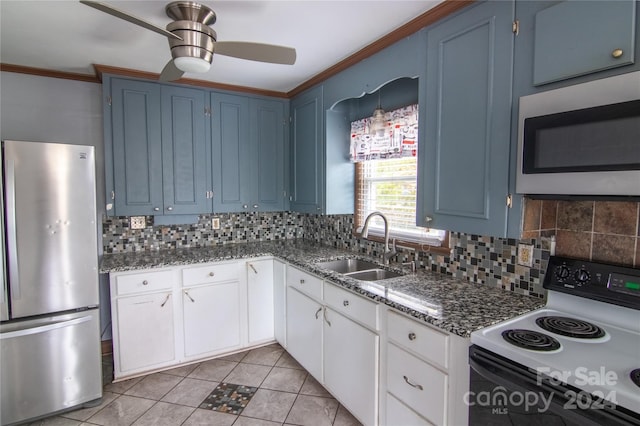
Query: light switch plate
(525, 255)
(137, 222)
(215, 223)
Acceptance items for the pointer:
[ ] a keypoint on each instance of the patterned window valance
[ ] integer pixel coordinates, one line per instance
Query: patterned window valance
(400, 139)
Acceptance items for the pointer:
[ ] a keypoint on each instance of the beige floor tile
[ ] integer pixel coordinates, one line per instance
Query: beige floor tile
(284, 379)
(164, 414)
(266, 355)
(215, 370)
(209, 418)
(344, 418)
(55, 421)
(248, 374)
(313, 411)
(248, 421)
(84, 413)
(183, 371)
(190, 392)
(312, 387)
(237, 357)
(288, 361)
(122, 411)
(121, 387)
(154, 386)
(269, 405)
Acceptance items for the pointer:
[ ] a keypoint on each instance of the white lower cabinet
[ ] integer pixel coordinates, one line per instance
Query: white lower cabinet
(400, 414)
(260, 294)
(304, 331)
(280, 303)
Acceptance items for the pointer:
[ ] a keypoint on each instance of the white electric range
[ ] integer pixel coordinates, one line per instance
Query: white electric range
(578, 357)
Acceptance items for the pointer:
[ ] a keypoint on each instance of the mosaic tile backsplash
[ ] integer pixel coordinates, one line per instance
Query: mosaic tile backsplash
(480, 259)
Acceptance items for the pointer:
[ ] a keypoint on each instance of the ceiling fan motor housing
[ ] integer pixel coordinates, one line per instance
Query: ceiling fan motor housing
(198, 40)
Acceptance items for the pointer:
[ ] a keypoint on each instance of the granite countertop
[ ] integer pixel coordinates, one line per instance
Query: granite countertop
(448, 303)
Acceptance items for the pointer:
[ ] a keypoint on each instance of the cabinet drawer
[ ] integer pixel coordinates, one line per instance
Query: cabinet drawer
(419, 385)
(304, 282)
(421, 339)
(352, 305)
(400, 414)
(143, 282)
(214, 272)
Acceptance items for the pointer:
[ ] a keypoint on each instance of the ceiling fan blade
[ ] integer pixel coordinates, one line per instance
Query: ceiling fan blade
(256, 52)
(124, 15)
(170, 72)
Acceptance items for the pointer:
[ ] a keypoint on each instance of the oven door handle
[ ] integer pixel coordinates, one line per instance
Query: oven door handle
(521, 379)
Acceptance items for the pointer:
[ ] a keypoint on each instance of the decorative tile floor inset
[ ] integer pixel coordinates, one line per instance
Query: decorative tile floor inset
(229, 398)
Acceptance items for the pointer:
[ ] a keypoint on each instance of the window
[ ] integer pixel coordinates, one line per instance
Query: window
(390, 186)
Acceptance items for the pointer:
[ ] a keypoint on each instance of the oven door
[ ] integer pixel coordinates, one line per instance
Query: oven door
(504, 392)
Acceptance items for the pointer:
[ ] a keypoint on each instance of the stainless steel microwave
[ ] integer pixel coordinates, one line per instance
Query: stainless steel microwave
(581, 140)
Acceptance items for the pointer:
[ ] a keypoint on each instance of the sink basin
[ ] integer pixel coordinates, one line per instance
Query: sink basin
(373, 275)
(346, 266)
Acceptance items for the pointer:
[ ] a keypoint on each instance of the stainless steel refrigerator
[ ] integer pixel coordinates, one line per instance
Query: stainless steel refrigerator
(49, 331)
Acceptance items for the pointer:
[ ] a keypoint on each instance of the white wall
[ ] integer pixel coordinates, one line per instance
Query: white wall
(34, 108)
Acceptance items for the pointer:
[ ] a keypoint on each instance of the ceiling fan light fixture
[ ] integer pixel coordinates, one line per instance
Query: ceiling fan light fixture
(190, 64)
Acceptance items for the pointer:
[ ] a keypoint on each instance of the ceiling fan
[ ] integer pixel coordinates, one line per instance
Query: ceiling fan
(193, 42)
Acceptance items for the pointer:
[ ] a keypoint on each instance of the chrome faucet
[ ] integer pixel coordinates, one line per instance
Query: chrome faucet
(388, 252)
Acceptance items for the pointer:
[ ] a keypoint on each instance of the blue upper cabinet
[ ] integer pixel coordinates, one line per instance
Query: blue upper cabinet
(247, 153)
(230, 151)
(267, 142)
(185, 165)
(307, 147)
(134, 151)
(573, 38)
(465, 109)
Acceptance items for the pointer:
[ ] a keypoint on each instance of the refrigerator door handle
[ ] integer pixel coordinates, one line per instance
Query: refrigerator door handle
(44, 328)
(12, 237)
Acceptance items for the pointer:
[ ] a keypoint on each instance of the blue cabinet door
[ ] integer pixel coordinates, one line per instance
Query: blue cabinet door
(267, 154)
(230, 152)
(184, 151)
(307, 159)
(465, 122)
(579, 37)
(136, 145)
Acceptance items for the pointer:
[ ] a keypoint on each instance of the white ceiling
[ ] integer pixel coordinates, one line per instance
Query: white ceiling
(68, 36)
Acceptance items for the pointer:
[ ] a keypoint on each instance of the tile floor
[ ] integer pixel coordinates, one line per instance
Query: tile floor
(279, 392)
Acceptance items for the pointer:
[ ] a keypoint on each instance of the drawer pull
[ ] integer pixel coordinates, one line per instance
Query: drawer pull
(345, 303)
(165, 300)
(145, 282)
(412, 384)
(211, 274)
(325, 317)
(318, 311)
(617, 53)
(301, 281)
(412, 336)
(255, 271)
(189, 296)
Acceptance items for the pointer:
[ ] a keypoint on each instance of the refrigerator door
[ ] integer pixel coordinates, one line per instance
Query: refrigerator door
(4, 305)
(52, 255)
(63, 355)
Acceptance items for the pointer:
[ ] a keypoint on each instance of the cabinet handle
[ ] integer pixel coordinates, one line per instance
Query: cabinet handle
(253, 268)
(189, 296)
(156, 209)
(325, 317)
(318, 311)
(345, 303)
(244, 206)
(412, 384)
(211, 274)
(145, 282)
(428, 219)
(255, 206)
(412, 336)
(169, 208)
(301, 281)
(165, 300)
(617, 53)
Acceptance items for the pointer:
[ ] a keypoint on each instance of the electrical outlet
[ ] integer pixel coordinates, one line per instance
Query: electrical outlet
(215, 223)
(137, 222)
(525, 255)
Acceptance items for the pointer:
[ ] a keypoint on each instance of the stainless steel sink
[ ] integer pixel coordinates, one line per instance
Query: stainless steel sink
(374, 275)
(362, 270)
(346, 266)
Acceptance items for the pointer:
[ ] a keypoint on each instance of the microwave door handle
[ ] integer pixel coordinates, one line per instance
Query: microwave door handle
(12, 237)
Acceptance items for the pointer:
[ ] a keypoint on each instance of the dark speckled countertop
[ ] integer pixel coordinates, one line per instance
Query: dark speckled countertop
(453, 305)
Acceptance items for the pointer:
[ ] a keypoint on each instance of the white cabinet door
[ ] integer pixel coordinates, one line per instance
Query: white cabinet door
(400, 414)
(145, 335)
(279, 302)
(351, 365)
(211, 318)
(260, 304)
(304, 331)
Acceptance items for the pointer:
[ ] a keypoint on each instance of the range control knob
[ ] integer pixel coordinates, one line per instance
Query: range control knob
(582, 276)
(562, 272)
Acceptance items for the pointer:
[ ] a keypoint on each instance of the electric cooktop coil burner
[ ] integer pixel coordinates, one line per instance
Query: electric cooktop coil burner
(570, 327)
(635, 376)
(532, 340)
